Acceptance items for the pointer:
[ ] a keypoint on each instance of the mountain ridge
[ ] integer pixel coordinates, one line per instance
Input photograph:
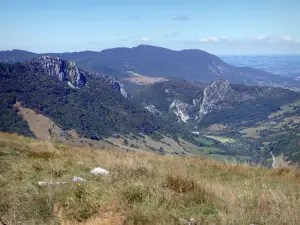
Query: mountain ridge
(193, 103)
(94, 105)
(195, 65)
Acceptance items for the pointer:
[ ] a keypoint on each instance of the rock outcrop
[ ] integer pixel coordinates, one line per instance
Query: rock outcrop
(67, 71)
(214, 96)
(152, 109)
(63, 70)
(218, 96)
(181, 110)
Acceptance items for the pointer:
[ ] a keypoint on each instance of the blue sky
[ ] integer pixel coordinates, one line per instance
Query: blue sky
(216, 26)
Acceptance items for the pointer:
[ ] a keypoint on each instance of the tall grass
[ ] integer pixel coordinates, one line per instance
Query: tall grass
(142, 188)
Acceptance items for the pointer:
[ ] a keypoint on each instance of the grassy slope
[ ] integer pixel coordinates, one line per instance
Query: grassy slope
(221, 139)
(289, 108)
(142, 188)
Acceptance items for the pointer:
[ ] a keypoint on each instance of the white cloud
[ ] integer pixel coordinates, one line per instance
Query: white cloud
(286, 38)
(289, 39)
(215, 39)
(143, 38)
(210, 39)
(261, 38)
(272, 39)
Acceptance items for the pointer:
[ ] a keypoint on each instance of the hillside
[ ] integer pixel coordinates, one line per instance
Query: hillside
(218, 102)
(150, 61)
(53, 99)
(94, 105)
(247, 123)
(141, 188)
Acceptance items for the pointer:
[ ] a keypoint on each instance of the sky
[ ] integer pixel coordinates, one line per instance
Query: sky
(222, 27)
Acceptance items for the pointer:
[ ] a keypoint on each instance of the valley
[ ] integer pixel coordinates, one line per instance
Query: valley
(45, 129)
(149, 112)
(223, 121)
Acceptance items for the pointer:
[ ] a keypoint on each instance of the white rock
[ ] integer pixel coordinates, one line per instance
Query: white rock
(196, 132)
(152, 109)
(78, 179)
(180, 109)
(70, 84)
(99, 170)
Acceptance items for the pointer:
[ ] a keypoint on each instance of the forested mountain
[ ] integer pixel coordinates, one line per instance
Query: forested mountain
(218, 102)
(16, 56)
(194, 65)
(98, 106)
(94, 105)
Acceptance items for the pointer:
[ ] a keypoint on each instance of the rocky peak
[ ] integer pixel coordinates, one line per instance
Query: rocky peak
(63, 70)
(67, 71)
(221, 94)
(214, 95)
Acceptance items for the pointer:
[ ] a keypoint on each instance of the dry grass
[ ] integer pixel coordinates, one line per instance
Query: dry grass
(143, 80)
(253, 132)
(142, 188)
(221, 139)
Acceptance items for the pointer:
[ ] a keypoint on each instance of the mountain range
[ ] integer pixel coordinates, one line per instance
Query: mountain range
(150, 61)
(204, 112)
(94, 105)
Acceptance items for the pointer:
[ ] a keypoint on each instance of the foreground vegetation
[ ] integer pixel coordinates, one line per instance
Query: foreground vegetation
(141, 188)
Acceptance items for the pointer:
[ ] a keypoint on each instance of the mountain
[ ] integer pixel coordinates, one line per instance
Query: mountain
(150, 61)
(256, 124)
(16, 56)
(218, 102)
(205, 120)
(92, 104)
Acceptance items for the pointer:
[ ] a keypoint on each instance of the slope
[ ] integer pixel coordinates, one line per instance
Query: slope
(94, 105)
(218, 102)
(141, 188)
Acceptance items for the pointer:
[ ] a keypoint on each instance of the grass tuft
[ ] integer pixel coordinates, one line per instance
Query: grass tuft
(180, 185)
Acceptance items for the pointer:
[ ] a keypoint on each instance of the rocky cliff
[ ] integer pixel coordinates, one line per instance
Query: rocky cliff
(63, 70)
(191, 103)
(221, 94)
(67, 71)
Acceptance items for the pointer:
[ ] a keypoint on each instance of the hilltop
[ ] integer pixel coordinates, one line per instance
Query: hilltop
(141, 188)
